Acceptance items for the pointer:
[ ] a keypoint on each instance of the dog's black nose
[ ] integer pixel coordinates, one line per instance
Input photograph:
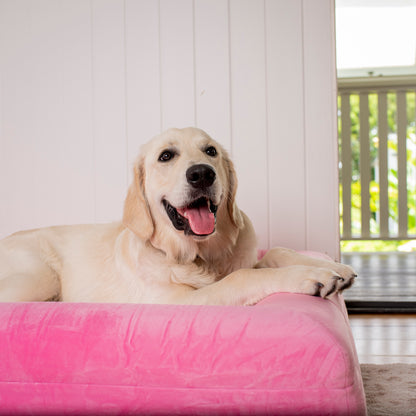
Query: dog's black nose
(200, 176)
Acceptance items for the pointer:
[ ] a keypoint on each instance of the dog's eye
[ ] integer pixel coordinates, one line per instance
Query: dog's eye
(166, 155)
(211, 151)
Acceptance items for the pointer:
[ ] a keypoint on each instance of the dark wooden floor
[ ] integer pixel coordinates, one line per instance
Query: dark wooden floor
(385, 339)
(385, 281)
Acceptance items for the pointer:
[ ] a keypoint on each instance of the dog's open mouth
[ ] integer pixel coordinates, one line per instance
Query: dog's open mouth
(197, 218)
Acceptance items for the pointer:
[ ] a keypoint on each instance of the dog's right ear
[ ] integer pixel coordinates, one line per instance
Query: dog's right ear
(136, 214)
(233, 210)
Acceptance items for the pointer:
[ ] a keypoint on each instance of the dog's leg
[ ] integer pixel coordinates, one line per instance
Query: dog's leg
(28, 288)
(283, 257)
(24, 275)
(249, 286)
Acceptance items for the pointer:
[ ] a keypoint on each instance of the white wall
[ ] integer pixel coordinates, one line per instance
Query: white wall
(84, 83)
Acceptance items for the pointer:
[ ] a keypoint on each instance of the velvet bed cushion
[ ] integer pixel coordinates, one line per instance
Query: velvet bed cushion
(290, 354)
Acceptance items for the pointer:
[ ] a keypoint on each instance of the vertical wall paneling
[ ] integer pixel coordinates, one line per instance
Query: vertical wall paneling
(285, 122)
(321, 147)
(248, 111)
(143, 95)
(85, 83)
(47, 83)
(17, 162)
(65, 118)
(177, 63)
(212, 69)
(109, 108)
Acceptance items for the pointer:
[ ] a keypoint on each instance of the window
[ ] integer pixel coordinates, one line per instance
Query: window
(376, 37)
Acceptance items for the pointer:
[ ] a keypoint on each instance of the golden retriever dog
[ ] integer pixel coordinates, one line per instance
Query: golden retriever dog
(182, 240)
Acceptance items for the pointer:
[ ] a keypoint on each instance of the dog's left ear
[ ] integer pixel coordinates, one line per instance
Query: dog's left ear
(233, 210)
(136, 214)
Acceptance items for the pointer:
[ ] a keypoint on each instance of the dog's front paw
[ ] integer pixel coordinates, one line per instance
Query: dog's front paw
(346, 273)
(321, 282)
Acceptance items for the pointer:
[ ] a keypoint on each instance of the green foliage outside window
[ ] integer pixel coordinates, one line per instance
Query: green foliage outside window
(392, 145)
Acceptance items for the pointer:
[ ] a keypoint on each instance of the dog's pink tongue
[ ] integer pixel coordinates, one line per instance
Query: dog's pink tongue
(201, 219)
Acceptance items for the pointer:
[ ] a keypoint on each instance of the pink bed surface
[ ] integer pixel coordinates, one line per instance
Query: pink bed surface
(290, 355)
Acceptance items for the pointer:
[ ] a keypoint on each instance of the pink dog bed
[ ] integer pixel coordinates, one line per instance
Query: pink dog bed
(290, 355)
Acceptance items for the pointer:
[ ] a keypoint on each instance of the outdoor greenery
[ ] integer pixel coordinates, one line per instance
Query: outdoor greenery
(392, 171)
(372, 246)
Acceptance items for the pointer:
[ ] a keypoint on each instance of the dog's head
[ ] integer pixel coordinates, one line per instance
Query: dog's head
(183, 192)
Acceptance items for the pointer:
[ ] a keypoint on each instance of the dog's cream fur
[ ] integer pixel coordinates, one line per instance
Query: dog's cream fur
(145, 259)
